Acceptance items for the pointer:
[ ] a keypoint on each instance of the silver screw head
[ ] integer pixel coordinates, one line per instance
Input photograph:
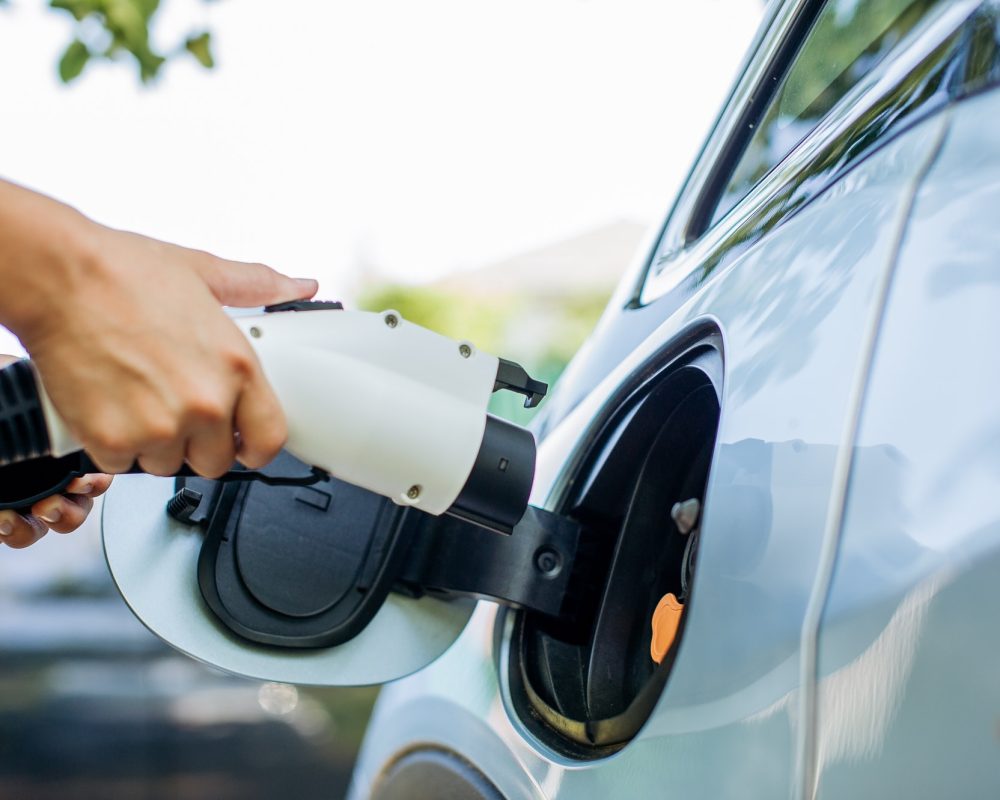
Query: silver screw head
(413, 492)
(464, 350)
(256, 332)
(391, 320)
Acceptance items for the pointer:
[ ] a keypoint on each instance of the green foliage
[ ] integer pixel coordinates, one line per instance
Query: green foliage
(73, 60)
(112, 29)
(200, 47)
(444, 312)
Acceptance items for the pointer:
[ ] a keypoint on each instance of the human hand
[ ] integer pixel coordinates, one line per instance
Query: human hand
(132, 345)
(62, 513)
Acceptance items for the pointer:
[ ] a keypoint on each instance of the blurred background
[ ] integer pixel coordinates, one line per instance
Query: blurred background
(487, 169)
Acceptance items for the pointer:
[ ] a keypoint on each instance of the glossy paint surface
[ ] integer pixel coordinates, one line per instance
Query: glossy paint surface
(909, 696)
(797, 314)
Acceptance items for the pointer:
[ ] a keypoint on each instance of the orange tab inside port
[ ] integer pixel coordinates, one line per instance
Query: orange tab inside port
(666, 619)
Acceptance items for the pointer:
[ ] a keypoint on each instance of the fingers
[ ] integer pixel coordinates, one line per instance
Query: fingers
(60, 513)
(246, 285)
(63, 514)
(212, 450)
(112, 460)
(18, 532)
(163, 459)
(260, 422)
(93, 485)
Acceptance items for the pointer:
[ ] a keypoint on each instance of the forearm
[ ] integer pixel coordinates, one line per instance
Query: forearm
(44, 247)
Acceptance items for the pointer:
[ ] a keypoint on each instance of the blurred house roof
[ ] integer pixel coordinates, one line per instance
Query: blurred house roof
(589, 263)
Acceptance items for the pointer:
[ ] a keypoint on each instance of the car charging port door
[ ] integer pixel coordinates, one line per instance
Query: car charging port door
(269, 571)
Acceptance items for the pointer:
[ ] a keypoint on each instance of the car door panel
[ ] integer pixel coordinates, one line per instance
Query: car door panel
(908, 701)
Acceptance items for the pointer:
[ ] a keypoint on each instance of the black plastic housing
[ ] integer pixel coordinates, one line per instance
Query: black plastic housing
(309, 566)
(496, 492)
(23, 433)
(585, 683)
(299, 566)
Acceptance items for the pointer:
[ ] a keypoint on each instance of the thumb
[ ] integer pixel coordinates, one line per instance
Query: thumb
(245, 285)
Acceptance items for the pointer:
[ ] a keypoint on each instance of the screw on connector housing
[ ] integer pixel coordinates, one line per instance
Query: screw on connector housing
(464, 350)
(256, 332)
(685, 515)
(413, 492)
(548, 562)
(391, 320)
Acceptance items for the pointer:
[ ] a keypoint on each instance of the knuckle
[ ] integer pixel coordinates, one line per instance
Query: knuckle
(210, 408)
(112, 442)
(160, 431)
(241, 361)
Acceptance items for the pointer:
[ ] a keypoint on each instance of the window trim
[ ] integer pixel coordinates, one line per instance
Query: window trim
(772, 31)
(679, 257)
(770, 79)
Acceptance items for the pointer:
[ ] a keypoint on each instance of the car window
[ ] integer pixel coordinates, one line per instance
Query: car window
(848, 38)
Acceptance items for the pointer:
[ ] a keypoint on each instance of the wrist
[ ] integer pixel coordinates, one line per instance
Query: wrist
(49, 250)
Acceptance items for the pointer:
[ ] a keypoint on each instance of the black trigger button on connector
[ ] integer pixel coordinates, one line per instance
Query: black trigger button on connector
(305, 305)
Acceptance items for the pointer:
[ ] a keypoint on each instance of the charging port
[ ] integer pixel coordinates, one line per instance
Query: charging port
(587, 681)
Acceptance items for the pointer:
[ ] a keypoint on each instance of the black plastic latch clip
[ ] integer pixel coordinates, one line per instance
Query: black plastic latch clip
(515, 378)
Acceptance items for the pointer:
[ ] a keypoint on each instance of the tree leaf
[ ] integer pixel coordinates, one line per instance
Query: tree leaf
(147, 8)
(73, 61)
(149, 64)
(200, 47)
(78, 8)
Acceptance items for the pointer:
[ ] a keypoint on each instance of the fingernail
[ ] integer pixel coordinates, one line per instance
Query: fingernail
(86, 488)
(306, 283)
(52, 516)
(6, 529)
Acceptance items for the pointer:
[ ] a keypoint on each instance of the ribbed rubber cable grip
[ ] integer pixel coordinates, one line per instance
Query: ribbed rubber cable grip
(23, 433)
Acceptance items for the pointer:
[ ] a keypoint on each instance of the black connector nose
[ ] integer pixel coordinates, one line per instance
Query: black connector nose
(496, 492)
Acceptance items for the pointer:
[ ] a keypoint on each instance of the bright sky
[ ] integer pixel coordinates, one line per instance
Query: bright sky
(415, 138)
